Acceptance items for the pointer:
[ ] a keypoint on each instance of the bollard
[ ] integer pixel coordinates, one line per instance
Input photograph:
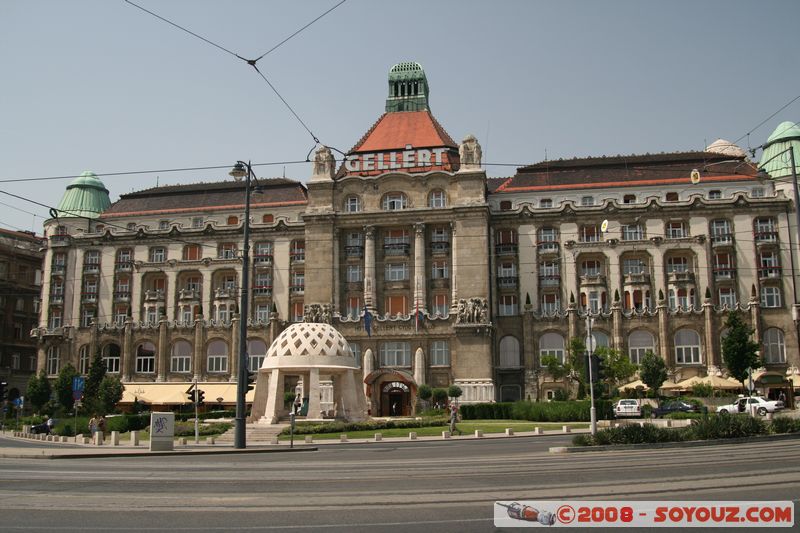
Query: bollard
(537, 431)
(412, 435)
(134, 438)
(182, 441)
(211, 441)
(445, 434)
(115, 438)
(509, 432)
(478, 433)
(98, 438)
(565, 429)
(63, 439)
(309, 439)
(84, 440)
(343, 438)
(669, 423)
(378, 437)
(273, 440)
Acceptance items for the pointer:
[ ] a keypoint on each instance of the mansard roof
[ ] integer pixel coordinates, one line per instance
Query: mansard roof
(629, 171)
(213, 196)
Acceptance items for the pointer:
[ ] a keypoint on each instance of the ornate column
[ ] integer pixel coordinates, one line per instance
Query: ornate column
(170, 293)
(663, 331)
(419, 268)
(369, 268)
(163, 351)
(419, 366)
(197, 362)
(126, 365)
(206, 290)
(712, 363)
(616, 325)
(755, 315)
(335, 303)
(453, 271)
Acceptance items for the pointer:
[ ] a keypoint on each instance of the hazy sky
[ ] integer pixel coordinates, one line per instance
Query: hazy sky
(102, 86)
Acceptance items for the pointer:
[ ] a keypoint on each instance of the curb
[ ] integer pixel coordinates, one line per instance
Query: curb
(146, 453)
(686, 444)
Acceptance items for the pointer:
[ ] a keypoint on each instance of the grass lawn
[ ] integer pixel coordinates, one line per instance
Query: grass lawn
(468, 427)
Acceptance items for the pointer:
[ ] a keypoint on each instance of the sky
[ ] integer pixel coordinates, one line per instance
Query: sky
(101, 85)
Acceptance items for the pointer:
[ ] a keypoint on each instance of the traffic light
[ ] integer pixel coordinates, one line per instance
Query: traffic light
(601, 369)
(201, 396)
(3, 391)
(594, 363)
(251, 381)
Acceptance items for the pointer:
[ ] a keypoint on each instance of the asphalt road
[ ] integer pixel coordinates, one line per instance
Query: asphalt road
(422, 486)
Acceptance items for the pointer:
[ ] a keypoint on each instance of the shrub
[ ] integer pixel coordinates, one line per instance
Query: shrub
(582, 440)
(647, 411)
(784, 424)
(66, 431)
(684, 416)
(634, 434)
(702, 390)
(726, 426)
(370, 425)
(186, 429)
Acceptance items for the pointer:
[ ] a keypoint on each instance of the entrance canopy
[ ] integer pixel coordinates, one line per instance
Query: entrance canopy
(392, 373)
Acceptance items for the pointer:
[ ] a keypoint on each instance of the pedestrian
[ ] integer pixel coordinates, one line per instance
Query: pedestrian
(297, 405)
(454, 419)
(50, 424)
(782, 397)
(101, 425)
(93, 425)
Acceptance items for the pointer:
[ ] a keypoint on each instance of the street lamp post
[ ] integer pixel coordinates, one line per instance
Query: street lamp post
(243, 170)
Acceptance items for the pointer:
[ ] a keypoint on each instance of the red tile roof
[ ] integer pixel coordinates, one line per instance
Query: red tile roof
(392, 132)
(629, 171)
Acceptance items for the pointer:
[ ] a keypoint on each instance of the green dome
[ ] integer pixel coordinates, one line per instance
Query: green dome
(85, 197)
(407, 70)
(784, 132)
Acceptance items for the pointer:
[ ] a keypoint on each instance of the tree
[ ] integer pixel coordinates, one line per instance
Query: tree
(739, 352)
(439, 396)
(91, 390)
(454, 391)
(555, 367)
(110, 394)
(652, 371)
(617, 366)
(63, 386)
(577, 364)
(424, 392)
(38, 392)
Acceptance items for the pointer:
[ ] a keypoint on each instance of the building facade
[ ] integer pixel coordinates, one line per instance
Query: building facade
(434, 273)
(21, 255)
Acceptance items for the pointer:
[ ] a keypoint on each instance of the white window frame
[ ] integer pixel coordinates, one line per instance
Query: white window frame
(549, 346)
(774, 346)
(395, 354)
(180, 363)
(440, 353)
(394, 201)
(686, 352)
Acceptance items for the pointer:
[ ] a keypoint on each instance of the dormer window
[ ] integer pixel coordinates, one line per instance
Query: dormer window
(587, 201)
(629, 199)
(672, 197)
(394, 201)
(545, 203)
(715, 195)
(437, 199)
(352, 204)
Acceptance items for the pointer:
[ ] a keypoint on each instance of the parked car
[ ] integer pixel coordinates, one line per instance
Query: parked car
(40, 428)
(676, 406)
(627, 408)
(756, 403)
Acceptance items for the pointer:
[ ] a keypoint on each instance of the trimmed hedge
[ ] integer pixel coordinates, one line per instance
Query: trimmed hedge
(784, 424)
(565, 411)
(342, 427)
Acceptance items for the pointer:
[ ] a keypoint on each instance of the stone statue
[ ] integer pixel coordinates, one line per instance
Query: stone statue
(316, 313)
(470, 153)
(473, 311)
(324, 164)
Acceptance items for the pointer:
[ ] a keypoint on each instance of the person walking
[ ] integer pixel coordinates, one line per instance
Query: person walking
(93, 425)
(454, 419)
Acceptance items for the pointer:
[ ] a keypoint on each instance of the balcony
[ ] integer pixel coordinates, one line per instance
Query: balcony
(354, 251)
(262, 290)
(593, 279)
(507, 282)
(771, 272)
(262, 260)
(396, 249)
(640, 278)
(724, 272)
(60, 240)
(122, 297)
(58, 270)
(189, 295)
(223, 293)
(440, 248)
(680, 277)
(505, 249)
(765, 237)
(547, 247)
(297, 289)
(550, 281)
(91, 268)
(89, 297)
(123, 266)
(56, 299)
(440, 283)
(722, 240)
(298, 257)
(154, 295)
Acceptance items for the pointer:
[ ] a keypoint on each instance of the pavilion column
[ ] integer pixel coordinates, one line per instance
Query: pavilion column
(419, 268)
(369, 268)
(274, 403)
(314, 407)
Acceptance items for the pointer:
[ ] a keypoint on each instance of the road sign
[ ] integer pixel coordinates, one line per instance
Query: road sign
(77, 395)
(78, 383)
(18, 401)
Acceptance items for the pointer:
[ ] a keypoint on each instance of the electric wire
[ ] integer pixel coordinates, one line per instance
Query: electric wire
(793, 100)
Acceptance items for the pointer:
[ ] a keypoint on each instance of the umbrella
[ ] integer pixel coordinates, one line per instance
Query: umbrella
(716, 382)
(638, 384)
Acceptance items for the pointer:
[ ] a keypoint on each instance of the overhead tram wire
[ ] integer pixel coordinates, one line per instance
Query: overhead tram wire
(793, 100)
(251, 62)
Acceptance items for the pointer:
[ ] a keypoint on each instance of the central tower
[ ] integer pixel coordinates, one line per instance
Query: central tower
(408, 88)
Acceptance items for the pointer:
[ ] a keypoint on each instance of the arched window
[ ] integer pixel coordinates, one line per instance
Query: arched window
(601, 339)
(111, 357)
(551, 344)
(181, 357)
(639, 343)
(774, 347)
(146, 358)
(509, 352)
(257, 351)
(437, 199)
(687, 347)
(217, 356)
(352, 204)
(394, 201)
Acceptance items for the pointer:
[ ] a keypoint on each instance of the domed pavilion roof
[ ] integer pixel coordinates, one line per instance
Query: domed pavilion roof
(775, 158)
(86, 197)
(721, 146)
(307, 345)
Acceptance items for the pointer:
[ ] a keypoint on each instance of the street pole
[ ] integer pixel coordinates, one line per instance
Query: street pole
(242, 169)
(196, 424)
(590, 349)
